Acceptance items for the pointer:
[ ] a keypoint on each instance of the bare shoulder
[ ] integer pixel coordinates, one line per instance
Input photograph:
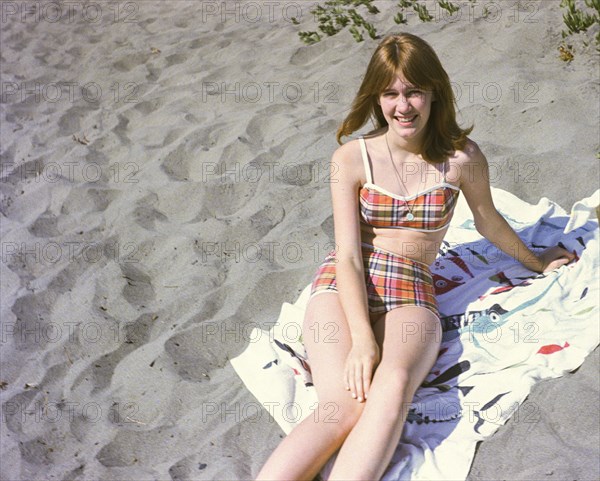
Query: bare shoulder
(347, 161)
(350, 151)
(470, 165)
(470, 155)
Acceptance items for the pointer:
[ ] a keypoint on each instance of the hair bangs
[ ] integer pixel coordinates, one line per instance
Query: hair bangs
(412, 59)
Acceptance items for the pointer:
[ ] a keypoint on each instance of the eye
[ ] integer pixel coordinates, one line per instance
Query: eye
(415, 93)
(494, 316)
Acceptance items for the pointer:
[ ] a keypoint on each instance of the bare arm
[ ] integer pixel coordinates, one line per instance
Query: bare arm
(474, 183)
(346, 167)
(345, 183)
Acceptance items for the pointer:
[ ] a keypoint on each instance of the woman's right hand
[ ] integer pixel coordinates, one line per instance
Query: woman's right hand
(362, 360)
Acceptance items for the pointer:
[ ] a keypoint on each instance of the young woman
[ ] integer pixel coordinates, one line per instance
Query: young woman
(393, 195)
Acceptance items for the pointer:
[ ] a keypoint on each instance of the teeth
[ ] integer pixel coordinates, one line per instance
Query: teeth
(405, 119)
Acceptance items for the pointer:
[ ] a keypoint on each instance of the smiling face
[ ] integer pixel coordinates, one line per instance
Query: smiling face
(406, 109)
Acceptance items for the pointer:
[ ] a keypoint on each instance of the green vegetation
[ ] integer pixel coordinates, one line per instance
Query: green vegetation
(333, 16)
(578, 21)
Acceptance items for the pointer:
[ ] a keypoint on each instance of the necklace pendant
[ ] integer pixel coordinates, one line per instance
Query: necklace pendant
(410, 216)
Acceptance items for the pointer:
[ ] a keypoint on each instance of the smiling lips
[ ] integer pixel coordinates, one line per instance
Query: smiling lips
(405, 120)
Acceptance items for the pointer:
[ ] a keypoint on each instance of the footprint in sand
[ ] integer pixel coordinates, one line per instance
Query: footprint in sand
(13, 409)
(85, 200)
(190, 353)
(146, 107)
(120, 451)
(153, 73)
(133, 335)
(145, 214)
(70, 121)
(32, 312)
(268, 122)
(177, 163)
(120, 129)
(175, 59)
(42, 450)
(138, 290)
(45, 226)
(129, 62)
(306, 55)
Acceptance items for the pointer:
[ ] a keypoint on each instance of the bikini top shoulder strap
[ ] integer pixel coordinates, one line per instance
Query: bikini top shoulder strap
(365, 158)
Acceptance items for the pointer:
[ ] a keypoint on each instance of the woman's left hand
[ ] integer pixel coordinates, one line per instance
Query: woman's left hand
(554, 257)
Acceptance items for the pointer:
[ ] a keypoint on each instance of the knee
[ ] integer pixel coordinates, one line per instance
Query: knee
(395, 382)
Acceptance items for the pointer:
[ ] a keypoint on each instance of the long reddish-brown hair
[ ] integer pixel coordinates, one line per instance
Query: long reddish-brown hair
(413, 58)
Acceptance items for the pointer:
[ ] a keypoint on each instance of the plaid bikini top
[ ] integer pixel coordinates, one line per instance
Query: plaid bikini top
(427, 211)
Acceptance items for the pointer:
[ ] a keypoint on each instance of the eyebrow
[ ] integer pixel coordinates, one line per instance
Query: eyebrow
(407, 86)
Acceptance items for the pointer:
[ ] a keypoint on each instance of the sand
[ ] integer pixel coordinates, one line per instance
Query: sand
(164, 189)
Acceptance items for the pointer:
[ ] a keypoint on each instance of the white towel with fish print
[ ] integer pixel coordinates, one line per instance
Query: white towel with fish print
(505, 328)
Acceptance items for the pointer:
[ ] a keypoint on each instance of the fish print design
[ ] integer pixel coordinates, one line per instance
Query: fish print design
(489, 322)
(441, 284)
(552, 348)
(502, 278)
(299, 358)
(452, 372)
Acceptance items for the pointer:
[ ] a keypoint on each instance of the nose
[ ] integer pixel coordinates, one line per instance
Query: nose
(403, 104)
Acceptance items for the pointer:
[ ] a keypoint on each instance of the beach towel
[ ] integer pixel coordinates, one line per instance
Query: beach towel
(504, 329)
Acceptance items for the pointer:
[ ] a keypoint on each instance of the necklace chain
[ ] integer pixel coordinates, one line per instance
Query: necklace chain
(410, 215)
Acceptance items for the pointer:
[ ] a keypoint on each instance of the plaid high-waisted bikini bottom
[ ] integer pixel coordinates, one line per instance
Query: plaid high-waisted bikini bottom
(391, 280)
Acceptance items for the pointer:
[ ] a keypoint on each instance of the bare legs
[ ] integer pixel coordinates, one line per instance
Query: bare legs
(410, 339)
(367, 433)
(302, 454)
